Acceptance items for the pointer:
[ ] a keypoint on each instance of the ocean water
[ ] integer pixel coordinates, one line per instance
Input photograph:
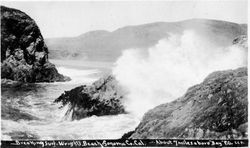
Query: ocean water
(29, 112)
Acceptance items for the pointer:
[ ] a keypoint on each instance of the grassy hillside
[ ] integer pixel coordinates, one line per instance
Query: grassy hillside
(107, 46)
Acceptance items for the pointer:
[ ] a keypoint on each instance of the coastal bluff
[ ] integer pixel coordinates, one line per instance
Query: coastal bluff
(24, 55)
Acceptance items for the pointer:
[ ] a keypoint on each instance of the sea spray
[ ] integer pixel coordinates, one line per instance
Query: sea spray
(170, 67)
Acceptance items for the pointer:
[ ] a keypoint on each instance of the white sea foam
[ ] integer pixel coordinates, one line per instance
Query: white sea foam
(105, 127)
(52, 123)
(170, 67)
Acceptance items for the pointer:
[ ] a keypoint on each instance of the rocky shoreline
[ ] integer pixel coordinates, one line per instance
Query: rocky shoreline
(217, 108)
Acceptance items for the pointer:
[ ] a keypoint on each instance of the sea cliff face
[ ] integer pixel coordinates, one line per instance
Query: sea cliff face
(216, 108)
(24, 55)
(103, 97)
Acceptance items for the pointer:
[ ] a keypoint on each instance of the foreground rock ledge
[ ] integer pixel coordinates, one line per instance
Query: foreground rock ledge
(103, 97)
(24, 55)
(215, 109)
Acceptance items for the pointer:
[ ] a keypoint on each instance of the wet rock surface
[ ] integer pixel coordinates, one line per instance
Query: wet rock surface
(24, 55)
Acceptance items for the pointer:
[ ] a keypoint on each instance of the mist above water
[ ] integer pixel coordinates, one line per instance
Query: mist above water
(170, 68)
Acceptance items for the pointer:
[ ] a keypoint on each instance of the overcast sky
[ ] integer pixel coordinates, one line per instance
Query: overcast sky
(67, 18)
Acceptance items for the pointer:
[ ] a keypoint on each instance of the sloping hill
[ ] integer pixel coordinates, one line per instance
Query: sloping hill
(216, 109)
(102, 45)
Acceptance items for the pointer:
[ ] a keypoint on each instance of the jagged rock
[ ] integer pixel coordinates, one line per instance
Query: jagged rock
(241, 41)
(24, 55)
(217, 109)
(103, 97)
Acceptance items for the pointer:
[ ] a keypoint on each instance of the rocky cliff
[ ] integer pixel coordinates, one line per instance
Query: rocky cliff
(217, 108)
(103, 97)
(24, 55)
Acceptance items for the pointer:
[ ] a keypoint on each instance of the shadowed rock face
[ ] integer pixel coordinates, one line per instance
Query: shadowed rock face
(24, 55)
(103, 97)
(216, 108)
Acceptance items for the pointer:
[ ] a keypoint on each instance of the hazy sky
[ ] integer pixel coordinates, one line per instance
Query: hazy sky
(72, 18)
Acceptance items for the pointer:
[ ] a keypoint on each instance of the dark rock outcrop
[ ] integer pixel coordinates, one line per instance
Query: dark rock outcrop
(217, 109)
(103, 97)
(24, 55)
(241, 41)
